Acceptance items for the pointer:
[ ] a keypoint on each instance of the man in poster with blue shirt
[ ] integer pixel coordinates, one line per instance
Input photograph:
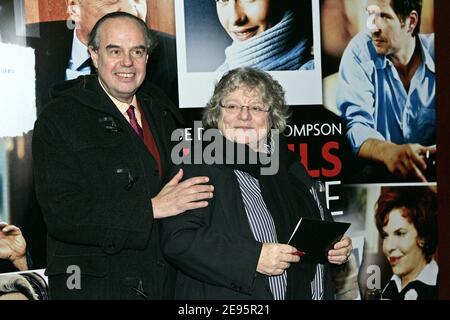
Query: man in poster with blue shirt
(387, 87)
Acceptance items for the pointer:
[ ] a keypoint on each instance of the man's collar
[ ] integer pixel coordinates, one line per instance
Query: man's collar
(429, 62)
(79, 53)
(382, 61)
(122, 106)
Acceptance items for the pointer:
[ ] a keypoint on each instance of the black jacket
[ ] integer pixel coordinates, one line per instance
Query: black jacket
(213, 248)
(94, 181)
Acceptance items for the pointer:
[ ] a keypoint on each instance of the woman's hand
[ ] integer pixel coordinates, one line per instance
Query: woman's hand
(275, 258)
(341, 252)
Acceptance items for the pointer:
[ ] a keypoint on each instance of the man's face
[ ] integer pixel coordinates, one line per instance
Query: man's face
(121, 58)
(90, 11)
(389, 32)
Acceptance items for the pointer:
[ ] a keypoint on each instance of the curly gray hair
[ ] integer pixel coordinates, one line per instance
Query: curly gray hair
(272, 94)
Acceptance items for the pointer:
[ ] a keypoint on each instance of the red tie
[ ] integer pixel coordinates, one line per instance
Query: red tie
(133, 121)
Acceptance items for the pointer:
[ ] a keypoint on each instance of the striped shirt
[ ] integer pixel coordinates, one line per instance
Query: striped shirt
(263, 229)
(317, 283)
(261, 224)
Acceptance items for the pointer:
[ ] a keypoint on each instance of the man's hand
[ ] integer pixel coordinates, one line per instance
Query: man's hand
(13, 246)
(406, 160)
(177, 197)
(275, 258)
(341, 251)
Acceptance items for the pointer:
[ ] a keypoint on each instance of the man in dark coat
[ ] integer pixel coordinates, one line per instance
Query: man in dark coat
(58, 48)
(100, 149)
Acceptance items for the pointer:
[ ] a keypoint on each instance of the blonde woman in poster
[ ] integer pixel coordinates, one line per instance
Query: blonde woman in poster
(267, 34)
(406, 218)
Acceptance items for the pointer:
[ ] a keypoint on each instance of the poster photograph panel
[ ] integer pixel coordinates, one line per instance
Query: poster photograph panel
(280, 37)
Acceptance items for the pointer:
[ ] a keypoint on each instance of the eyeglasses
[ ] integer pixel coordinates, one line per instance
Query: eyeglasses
(235, 109)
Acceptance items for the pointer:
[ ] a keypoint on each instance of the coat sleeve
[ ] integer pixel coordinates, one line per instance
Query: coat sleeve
(72, 214)
(203, 252)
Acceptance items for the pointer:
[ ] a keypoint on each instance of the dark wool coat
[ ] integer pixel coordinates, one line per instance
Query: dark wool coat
(214, 249)
(94, 181)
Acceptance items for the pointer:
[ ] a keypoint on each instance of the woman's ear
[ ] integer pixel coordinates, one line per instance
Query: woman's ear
(421, 242)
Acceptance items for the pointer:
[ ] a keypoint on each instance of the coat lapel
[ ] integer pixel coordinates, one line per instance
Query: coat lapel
(239, 215)
(155, 121)
(150, 110)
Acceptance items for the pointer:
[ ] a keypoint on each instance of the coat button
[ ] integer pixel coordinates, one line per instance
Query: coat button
(160, 264)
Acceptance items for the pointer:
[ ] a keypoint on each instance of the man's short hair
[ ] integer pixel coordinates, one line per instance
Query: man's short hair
(94, 41)
(404, 7)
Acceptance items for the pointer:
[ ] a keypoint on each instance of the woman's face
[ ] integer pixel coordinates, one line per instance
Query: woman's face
(400, 245)
(244, 125)
(243, 19)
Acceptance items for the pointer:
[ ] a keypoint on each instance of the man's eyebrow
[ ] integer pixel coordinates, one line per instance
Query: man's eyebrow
(112, 46)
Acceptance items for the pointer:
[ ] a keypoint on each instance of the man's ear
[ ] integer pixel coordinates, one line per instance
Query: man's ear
(412, 20)
(73, 9)
(94, 56)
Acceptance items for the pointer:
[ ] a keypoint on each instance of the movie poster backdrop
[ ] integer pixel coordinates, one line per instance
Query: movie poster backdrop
(316, 131)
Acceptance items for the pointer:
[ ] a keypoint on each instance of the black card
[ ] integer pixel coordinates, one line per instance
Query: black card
(315, 238)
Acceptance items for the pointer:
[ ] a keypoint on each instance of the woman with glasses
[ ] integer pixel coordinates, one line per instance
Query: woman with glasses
(235, 248)
(267, 34)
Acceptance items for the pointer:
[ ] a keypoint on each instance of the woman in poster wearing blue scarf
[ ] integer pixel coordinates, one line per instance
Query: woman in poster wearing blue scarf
(267, 34)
